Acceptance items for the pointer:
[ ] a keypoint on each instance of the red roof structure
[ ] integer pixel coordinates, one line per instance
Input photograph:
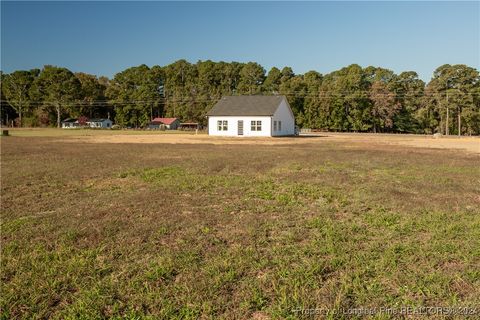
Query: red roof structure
(166, 121)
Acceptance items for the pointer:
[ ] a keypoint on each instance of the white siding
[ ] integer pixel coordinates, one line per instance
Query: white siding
(233, 126)
(98, 124)
(284, 114)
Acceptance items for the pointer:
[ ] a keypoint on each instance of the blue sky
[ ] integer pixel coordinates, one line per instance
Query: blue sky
(106, 37)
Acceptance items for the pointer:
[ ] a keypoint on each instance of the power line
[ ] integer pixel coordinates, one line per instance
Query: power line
(319, 95)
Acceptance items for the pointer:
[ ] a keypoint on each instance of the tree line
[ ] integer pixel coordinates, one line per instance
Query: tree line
(370, 99)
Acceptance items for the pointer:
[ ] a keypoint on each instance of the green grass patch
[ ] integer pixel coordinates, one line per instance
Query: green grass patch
(96, 231)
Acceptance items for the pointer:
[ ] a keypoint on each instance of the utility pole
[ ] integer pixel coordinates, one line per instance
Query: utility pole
(459, 116)
(459, 121)
(458, 108)
(446, 122)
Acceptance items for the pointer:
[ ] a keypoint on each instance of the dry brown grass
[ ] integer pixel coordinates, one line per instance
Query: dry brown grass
(222, 230)
(469, 144)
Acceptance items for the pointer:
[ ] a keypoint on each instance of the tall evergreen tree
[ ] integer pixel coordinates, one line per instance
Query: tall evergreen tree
(252, 76)
(350, 99)
(16, 89)
(454, 87)
(134, 93)
(409, 90)
(57, 88)
(272, 81)
(93, 95)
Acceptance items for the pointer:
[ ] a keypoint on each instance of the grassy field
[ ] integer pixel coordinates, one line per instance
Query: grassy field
(201, 230)
(54, 132)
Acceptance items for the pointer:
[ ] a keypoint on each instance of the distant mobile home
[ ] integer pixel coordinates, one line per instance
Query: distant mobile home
(70, 123)
(251, 116)
(100, 123)
(92, 123)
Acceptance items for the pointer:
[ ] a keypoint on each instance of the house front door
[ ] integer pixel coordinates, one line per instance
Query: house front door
(240, 127)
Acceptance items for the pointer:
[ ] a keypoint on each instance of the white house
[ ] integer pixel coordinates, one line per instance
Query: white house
(70, 123)
(251, 116)
(100, 123)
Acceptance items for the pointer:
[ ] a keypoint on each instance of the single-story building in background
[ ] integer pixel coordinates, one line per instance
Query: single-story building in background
(251, 116)
(190, 126)
(100, 123)
(92, 123)
(70, 123)
(167, 123)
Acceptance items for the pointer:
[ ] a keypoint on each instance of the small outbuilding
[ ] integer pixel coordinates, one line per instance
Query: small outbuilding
(251, 116)
(189, 126)
(100, 123)
(167, 123)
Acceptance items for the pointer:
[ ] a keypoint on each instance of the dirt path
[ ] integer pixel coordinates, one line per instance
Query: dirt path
(470, 144)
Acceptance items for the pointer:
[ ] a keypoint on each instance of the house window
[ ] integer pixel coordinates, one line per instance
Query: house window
(256, 125)
(274, 125)
(279, 125)
(222, 125)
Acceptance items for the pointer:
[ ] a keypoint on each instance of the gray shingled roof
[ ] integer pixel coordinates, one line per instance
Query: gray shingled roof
(246, 106)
